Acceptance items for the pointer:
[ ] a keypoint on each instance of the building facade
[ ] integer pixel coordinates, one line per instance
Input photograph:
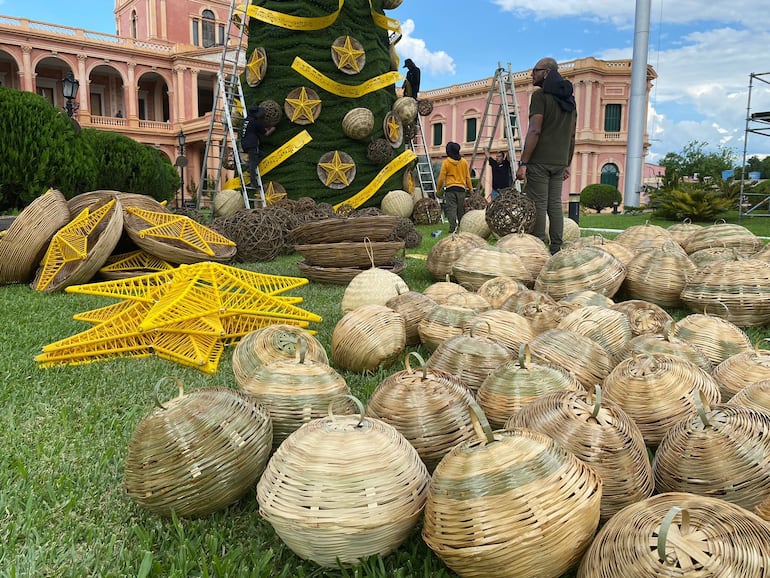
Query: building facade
(602, 93)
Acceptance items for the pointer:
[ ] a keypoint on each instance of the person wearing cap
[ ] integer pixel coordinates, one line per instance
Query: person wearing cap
(412, 83)
(455, 176)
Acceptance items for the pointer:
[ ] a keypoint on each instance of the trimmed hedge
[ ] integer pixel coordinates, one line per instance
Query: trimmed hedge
(599, 196)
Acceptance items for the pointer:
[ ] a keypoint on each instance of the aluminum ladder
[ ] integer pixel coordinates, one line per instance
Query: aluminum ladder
(223, 139)
(424, 167)
(502, 106)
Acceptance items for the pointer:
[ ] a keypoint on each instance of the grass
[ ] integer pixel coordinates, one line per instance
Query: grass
(63, 438)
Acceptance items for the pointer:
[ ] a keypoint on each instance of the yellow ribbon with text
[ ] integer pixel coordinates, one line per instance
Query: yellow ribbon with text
(382, 21)
(387, 171)
(293, 22)
(283, 152)
(345, 90)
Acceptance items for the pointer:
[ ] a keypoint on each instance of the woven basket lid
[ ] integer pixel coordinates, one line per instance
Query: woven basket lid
(469, 300)
(607, 327)
(342, 488)
(601, 434)
(367, 338)
(546, 314)
(443, 254)
(723, 451)
(728, 235)
(681, 231)
(705, 257)
(679, 535)
(428, 406)
(198, 452)
(583, 357)
(413, 306)
(617, 250)
(348, 55)
(531, 250)
(498, 289)
(358, 123)
(658, 390)
(717, 338)
(518, 301)
(658, 275)
(580, 268)
(479, 265)
(588, 297)
(643, 236)
(475, 221)
(373, 286)
(643, 316)
(741, 370)
(398, 203)
(516, 383)
(666, 342)
(509, 329)
(442, 290)
(24, 243)
(271, 343)
(441, 323)
(511, 503)
(755, 395)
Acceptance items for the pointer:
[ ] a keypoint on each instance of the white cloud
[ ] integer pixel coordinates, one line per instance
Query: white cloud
(436, 63)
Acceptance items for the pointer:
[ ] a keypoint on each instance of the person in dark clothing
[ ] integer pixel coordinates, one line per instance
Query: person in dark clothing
(501, 173)
(412, 83)
(252, 131)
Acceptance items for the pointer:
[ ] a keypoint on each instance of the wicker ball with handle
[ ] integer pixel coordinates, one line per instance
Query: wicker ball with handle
(198, 452)
(367, 338)
(342, 488)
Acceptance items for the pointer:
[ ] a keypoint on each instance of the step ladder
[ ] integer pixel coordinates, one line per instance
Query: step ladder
(501, 108)
(222, 142)
(425, 177)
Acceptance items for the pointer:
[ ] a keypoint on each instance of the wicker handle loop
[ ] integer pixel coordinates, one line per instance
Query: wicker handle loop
(687, 221)
(665, 526)
(480, 423)
(477, 323)
(156, 390)
(597, 400)
(369, 250)
(669, 328)
(302, 348)
(720, 222)
(361, 410)
(418, 357)
(525, 356)
(702, 406)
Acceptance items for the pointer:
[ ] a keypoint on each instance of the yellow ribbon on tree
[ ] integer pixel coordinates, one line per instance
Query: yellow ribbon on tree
(387, 171)
(293, 22)
(345, 90)
(283, 152)
(382, 21)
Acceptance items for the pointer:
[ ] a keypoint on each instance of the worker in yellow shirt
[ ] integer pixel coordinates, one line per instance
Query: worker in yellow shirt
(455, 179)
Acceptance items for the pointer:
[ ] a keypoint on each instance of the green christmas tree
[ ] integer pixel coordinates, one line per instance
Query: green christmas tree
(312, 63)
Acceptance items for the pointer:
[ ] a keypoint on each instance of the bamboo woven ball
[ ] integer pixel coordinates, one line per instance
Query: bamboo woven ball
(545, 314)
(509, 329)
(228, 202)
(644, 236)
(273, 112)
(666, 342)
(531, 250)
(480, 264)
(644, 317)
(367, 338)
(442, 290)
(679, 535)
(343, 488)
(498, 289)
(424, 106)
(373, 286)
(379, 152)
(588, 297)
(607, 327)
(358, 123)
(620, 252)
(601, 434)
(397, 203)
(580, 268)
(717, 338)
(681, 231)
(469, 300)
(406, 109)
(428, 406)
(427, 211)
(583, 357)
(441, 323)
(511, 212)
(413, 306)
(443, 254)
(726, 235)
(198, 452)
(741, 370)
(521, 299)
(659, 275)
(755, 395)
(475, 221)
(511, 504)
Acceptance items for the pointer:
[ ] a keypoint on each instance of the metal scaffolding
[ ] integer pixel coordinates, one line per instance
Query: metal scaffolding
(756, 123)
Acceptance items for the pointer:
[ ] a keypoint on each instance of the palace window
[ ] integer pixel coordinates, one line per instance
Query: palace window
(209, 29)
(470, 129)
(612, 118)
(438, 134)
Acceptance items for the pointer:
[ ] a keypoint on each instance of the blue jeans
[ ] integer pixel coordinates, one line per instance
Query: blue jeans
(544, 185)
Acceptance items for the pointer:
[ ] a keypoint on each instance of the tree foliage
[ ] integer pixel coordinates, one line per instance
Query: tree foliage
(600, 196)
(755, 164)
(696, 161)
(696, 203)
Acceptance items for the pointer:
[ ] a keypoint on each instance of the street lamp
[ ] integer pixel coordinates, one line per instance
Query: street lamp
(70, 90)
(182, 160)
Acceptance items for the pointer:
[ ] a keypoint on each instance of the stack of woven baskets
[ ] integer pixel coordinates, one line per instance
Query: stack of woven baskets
(336, 250)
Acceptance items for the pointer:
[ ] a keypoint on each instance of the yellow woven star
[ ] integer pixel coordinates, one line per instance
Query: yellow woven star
(304, 107)
(254, 69)
(394, 129)
(348, 56)
(272, 195)
(337, 171)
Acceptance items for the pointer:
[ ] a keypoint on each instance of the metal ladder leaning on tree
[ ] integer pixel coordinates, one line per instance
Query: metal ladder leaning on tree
(222, 139)
(502, 106)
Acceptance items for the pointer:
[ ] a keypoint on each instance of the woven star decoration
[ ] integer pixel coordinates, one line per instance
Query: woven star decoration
(337, 171)
(394, 129)
(347, 56)
(256, 67)
(186, 315)
(304, 107)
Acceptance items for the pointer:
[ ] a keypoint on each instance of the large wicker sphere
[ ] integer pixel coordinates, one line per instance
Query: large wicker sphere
(443, 254)
(358, 123)
(379, 152)
(398, 203)
(475, 221)
(342, 488)
(406, 109)
(367, 338)
(511, 212)
(373, 286)
(228, 202)
(198, 453)
(273, 112)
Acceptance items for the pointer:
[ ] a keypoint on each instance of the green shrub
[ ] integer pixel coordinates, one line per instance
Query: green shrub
(697, 204)
(600, 197)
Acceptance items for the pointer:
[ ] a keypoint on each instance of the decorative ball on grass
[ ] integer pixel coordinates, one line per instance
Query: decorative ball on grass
(475, 221)
(511, 212)
(228, 202)
(397, 203)
(367, 338)
(426, 211)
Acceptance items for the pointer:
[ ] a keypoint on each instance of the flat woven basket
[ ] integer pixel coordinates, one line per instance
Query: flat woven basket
(658, 275)
(755, 395)
(343, 275)
(678, 535)
(514, 384)
(722, 452)
(717, 338)
(644, 236)
(509, 329)
(498, 289)
(24, 243)
(588, 361)
(734, 290)
(728, 235)
(511, 504)
(367, 338)
(480, 264)
(580, 268)
(657, 391)
(607, 327)
(643, 316)
(413, 306)
(198, 452)
(338, 230)
(271, 343)
(351, 254)
(343, 488)
(429, 407)
(601, 434)
(296, 391)
(741, 370)
(530, 249)
(441, 323)
(471, 356)
(442, 255)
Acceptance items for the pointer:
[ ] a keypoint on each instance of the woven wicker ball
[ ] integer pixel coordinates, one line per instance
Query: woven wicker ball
(413, 238)
(480, 264)
(373, 286)
(410, 131)
(424, 107)
(679, 535)
(413, 307)
(717, 338)
(474, 201)
(755, 395)
(511, 212)
(741, 370)
(198, 452)
(271, 343)
(228, 202)
(406, 109)
(260, 234)
(427, 211)
(442, 256)
(397, 203)
(367, 338)
(580, 268)
(273, 112)
(358, 123)
(343, 488)
(475, 221)
(441, 323)
(511, 504)
(379, 152)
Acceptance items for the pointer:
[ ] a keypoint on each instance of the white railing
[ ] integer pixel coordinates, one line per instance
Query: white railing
(109, 121)
(155, 125)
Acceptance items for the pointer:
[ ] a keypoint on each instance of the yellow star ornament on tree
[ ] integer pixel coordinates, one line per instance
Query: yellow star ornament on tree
(338, 170)
(303, 107)
(349, 57)
(256, 67)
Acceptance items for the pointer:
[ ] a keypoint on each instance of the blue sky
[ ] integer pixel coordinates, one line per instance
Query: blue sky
(702, 51)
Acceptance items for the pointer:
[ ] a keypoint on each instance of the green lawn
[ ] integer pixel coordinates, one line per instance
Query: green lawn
(63, 438)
